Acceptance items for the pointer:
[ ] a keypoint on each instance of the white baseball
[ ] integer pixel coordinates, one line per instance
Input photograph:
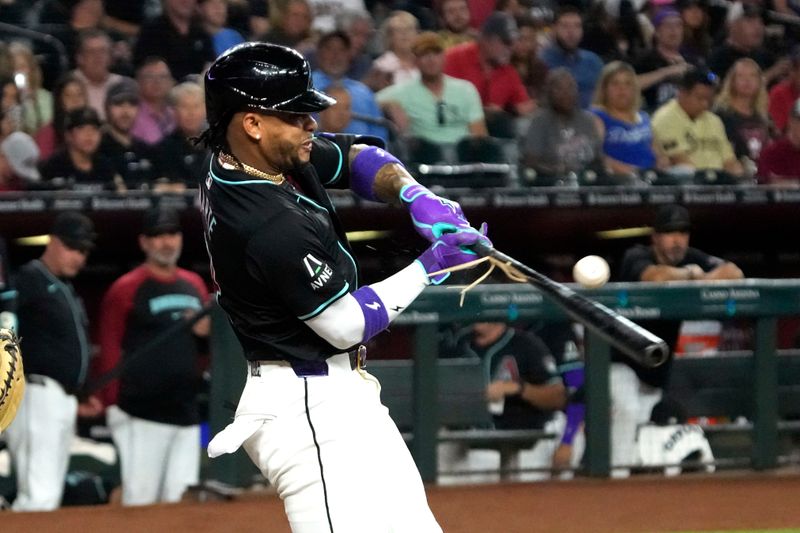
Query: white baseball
(592, 271)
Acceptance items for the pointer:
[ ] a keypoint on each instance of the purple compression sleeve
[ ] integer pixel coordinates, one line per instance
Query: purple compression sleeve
(365, 167)
(376, 319)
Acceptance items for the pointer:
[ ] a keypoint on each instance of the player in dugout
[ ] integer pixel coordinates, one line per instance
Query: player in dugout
(310, 416)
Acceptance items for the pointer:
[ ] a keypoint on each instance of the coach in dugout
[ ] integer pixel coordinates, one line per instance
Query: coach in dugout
(635, 390)
(152, 411)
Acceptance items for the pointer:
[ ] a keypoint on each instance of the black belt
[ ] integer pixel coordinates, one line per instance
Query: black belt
(308, 368)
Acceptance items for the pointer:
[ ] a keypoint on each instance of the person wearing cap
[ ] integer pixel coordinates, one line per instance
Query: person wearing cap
(779, 161)
(564, 51)
(151, 409)
(310, 415)
(79, 164)
(693, 137)
(180, 160)
(57, 350)
(660, 69)
(133, 159)
(486, 63)
(435, 107)
(19, 157)
(635, 390)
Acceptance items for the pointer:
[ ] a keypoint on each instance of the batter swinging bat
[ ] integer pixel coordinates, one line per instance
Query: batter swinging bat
(632, 340)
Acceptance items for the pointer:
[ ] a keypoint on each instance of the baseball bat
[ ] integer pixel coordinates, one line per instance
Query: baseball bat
(632, 340)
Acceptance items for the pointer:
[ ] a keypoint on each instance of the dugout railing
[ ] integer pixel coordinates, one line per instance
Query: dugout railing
(762, 385)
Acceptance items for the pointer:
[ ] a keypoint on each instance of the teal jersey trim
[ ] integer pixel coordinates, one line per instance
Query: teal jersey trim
(324, 305)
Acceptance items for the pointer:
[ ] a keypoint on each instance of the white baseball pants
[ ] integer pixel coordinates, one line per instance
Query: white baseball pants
(330, 449)
(632, 402)
(158, 462)
(39, 440)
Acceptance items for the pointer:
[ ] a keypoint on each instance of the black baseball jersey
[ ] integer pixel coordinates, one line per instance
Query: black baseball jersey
(53, 324)
(279, 255)
(519, 356)
(634, 262)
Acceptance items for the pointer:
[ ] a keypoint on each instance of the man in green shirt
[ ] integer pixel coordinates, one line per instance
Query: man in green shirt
(435, 107)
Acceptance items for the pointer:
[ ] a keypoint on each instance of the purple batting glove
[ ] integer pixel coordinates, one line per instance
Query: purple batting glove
(437, 218)
(441, 255)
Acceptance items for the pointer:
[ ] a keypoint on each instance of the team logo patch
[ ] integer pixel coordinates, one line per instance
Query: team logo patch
(319, 272)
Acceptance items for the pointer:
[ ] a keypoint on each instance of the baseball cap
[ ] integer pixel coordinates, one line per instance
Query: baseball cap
(427, 42)
(75, 230)
(160, 220)
(502, 25)
(83, 116)
(670, 218)
(125, 90)
(22, 154)
(664, 14)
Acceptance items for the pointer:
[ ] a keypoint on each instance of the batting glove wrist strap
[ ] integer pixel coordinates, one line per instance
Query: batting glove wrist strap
(376, 319)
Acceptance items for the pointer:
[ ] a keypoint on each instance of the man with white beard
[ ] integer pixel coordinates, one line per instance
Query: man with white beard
(151, 410)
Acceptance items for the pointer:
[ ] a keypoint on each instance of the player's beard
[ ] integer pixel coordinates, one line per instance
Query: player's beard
(165, 258)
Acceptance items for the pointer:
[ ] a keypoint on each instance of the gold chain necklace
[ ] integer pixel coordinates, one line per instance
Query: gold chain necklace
(227, 159)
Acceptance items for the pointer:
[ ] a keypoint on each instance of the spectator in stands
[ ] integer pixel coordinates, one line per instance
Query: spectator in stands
(53, 321)
(628, 144)
(156, 117)
(564, 51)
(126, 17)
(661, 68)
(293, 27)
(333, 57)
(181, 160)
(37, 102)
(689, 134)
(486, 64)
(214, 14)
(93, 58)
(742, 106)
(561, 137)
(398, 63)
(336, 118)
(359, 26)
(325, 12)
(67, 20)
(11, 102)
(635, 390)
(152, 410)
(746, 39)
(435, 107)
(779, 163)
(69, 93)
(19, 157)
(523, 390)
(696, 43)
(785, 93)
(178, 37)
(79, 165)
(133, 159)
(525, 57)
(454, 19)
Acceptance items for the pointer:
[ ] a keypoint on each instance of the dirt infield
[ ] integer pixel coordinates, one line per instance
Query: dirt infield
(586, 506)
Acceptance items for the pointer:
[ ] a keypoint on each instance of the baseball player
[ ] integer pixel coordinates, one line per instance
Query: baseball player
(310, 417)
(53, 322)
(635, 390)
(152, 410)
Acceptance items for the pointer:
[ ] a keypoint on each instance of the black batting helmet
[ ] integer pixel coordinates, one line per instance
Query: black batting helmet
(261, 77)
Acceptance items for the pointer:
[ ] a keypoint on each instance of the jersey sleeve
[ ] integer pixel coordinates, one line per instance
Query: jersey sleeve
(330, 157)
(291, 259)
(634, 262)
(539, 366)
(115, 307)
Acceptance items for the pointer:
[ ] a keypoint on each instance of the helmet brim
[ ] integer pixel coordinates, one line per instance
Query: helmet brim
(310, 101)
